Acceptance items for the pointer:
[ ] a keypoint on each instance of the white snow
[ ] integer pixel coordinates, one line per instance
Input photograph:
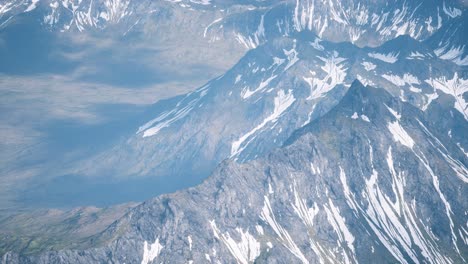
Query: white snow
(306, 214)
(369, 66)
(238, 78)
(430, 97)
(259, 229)
(416, 55)
(245, 251)
(338, 223)
(448, 208)
(455, 87)
(167, 118)
(452, 11)
(459, 168)
(455, 54)
(400, 134)
(365, 118)
(150, 252)
(389, 58)
(292, 57)
(248, 42)
(189, 239)
(364, 81)
(201, 2)
(335, 74)
(393, 112)
(32, 6)
(402, 81)
(270, 189)
(415, 90)
(347, 192)
(282, 102)
(316, 44)
(211, 24)
(268, 217)
(246, 93)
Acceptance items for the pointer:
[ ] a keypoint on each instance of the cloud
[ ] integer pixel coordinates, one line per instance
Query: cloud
(58, 97)
(29, 105)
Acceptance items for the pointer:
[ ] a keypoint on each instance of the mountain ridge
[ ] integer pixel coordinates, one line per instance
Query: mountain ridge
(236, 193)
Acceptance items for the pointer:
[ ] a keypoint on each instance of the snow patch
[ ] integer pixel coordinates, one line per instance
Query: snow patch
(402, 81)
(365, 118)
(282, 102)
(268, 217)
(369, 66)
(455, 87)
(335, 74)
(32, 6)
(150, 252)
(245, 251)
(400, 134)
(246, 93)
(389, 58)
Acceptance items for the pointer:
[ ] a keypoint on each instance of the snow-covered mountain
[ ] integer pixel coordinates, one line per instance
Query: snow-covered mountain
(449, 42)
(387, 188)
(366, 22)
(338, 137)
(272, 91)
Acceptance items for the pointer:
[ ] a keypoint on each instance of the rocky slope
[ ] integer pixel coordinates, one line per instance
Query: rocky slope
(386, 188)
(273, 90)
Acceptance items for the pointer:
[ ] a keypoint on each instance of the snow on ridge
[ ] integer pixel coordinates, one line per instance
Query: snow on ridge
(201, 2)
(416, 55)
(335, 74)
(455, 54)
(452, 12)
(167, 118)
(282, 102)
(248, 42)
(400, 135)
(268, 217)
(246, 93)
(32, 6)
(316, 45)
(292, 56)
(338, 223)
(245, 251)
(389, 58)
(455, 87)
(365, 118)
(369, 66)
(402, 81)
(305, 213)
(393, 112)
(151, 251)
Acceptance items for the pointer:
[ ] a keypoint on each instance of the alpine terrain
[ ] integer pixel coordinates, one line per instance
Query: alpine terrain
(293, 131)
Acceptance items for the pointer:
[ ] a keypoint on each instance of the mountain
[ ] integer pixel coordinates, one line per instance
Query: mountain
(180, 45)
(372, 180)
(449, 42)
(367, 22)
(273, 90)
(33, 231)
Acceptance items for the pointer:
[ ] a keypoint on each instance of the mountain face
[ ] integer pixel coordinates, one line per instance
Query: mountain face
(367, 22)
(449, 42)
(344, 189)
(272, 91)
(338, 137)
(295, 70)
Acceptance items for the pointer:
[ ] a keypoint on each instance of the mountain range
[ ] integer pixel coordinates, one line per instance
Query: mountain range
(338, 136)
